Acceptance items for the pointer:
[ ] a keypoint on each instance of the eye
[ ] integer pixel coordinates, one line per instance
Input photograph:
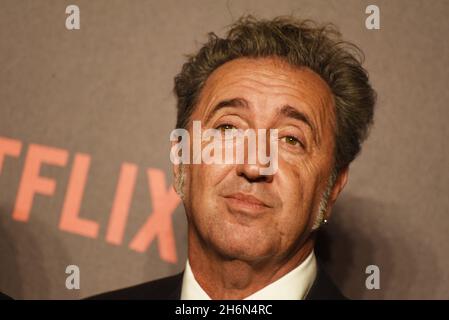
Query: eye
(225, 126)
(291, 140)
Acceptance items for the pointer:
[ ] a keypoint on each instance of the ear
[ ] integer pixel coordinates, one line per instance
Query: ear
(176, 169)
(339, 184)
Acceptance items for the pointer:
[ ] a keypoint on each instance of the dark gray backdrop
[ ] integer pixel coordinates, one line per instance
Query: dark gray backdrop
(105, 91)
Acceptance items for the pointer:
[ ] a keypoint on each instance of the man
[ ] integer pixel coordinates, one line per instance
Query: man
(251, 235)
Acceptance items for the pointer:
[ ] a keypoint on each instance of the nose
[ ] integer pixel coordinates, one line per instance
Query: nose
(251, 172)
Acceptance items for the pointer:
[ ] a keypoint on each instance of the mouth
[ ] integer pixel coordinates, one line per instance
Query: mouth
(246, 203)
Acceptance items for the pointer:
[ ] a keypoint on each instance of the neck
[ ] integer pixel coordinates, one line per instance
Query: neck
(227, 278)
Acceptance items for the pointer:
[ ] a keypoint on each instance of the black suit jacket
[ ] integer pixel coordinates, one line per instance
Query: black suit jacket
(4, 296)
(170, 289)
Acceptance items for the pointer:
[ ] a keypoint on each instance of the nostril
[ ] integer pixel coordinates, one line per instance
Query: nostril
(254, 178)
(261, 179)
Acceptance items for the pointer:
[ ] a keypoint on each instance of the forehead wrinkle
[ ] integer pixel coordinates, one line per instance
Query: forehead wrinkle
(285, 89)
(294, 84)
(266, 81)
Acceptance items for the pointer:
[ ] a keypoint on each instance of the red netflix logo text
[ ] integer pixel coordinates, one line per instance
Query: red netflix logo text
(164, 199)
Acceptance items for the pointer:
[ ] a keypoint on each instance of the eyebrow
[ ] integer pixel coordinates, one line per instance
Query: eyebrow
(235, 102)
(286, 111)
(291, 112)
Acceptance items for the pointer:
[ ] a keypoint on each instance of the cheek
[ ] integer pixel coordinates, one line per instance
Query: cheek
(297, 185)
(204, 181)
(295, 177)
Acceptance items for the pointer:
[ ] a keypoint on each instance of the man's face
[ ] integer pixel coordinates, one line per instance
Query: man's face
(233, 209)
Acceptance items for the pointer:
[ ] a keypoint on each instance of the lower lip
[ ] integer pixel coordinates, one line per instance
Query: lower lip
(246, 207)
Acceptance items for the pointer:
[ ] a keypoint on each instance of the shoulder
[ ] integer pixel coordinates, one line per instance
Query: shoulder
(168, 288)
(4, 296)
(324, 288)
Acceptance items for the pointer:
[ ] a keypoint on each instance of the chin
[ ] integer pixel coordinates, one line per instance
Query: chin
(242, 245)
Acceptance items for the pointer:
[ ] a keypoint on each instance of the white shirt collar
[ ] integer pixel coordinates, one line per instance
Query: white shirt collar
(292, 286)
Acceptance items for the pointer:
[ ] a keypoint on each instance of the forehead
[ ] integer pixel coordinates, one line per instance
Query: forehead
(267, 78)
